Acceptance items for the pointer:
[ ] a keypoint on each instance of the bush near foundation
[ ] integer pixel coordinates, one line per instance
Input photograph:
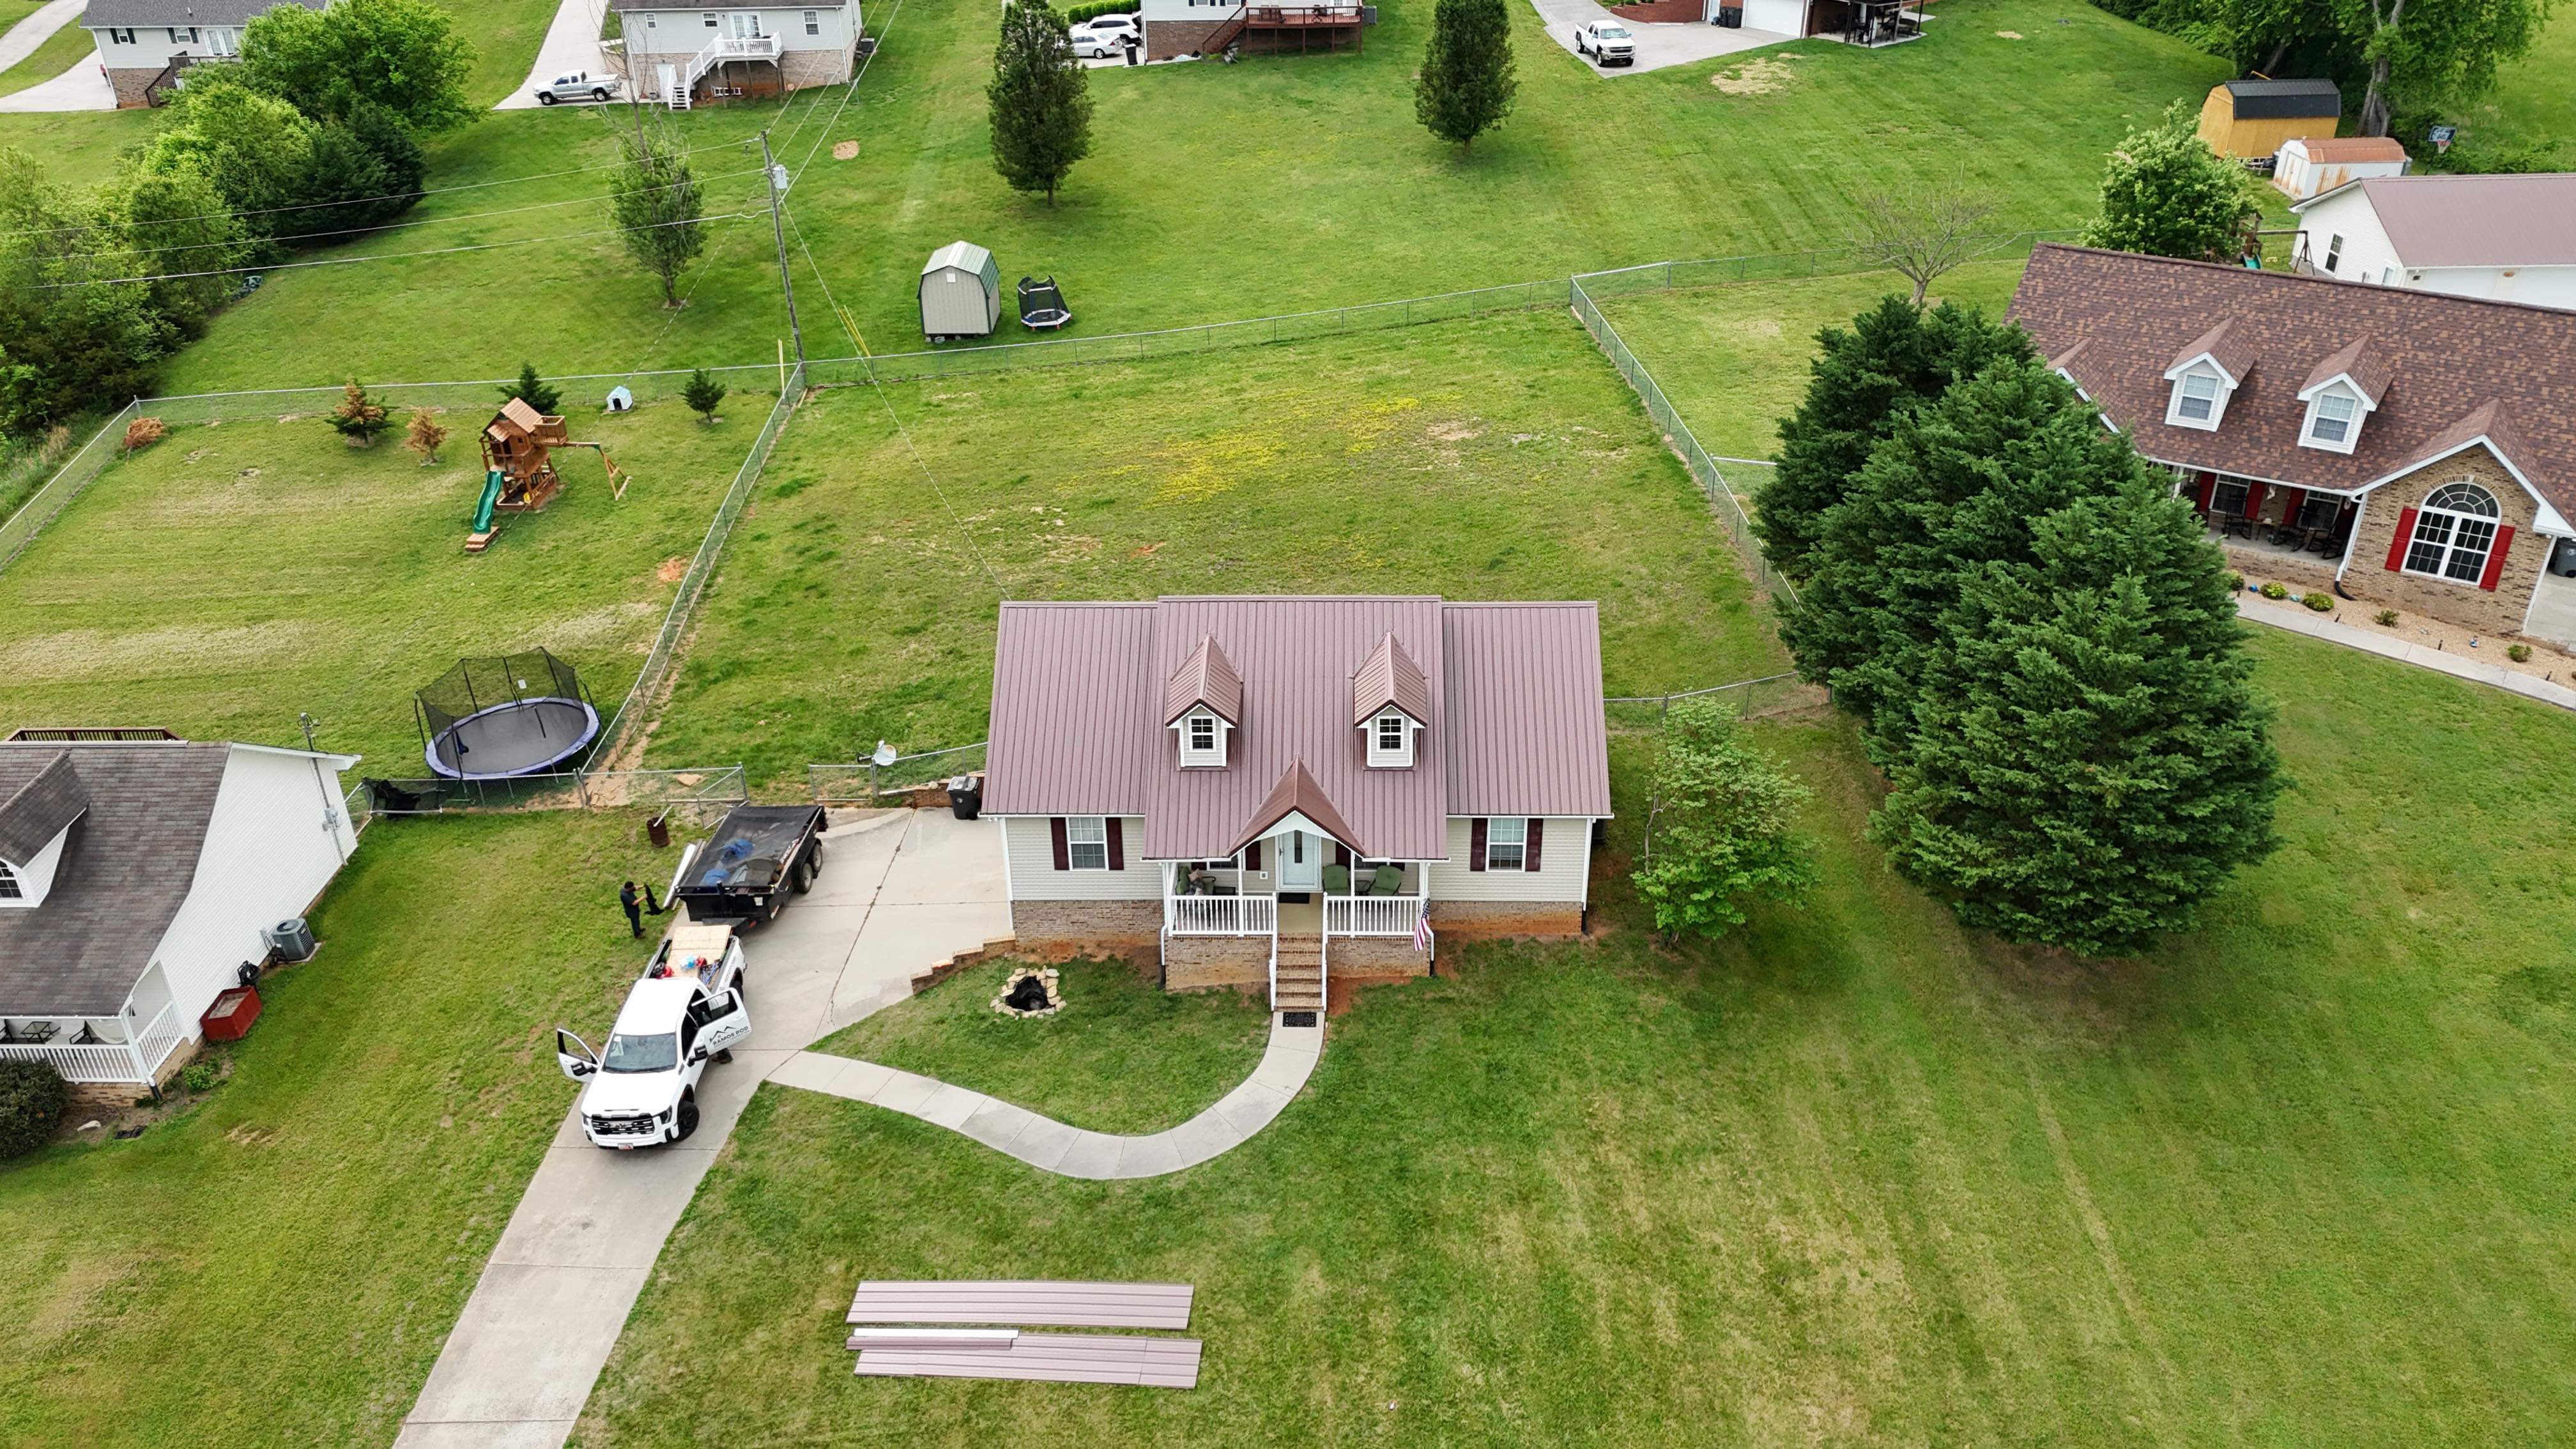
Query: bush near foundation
(32, 1098)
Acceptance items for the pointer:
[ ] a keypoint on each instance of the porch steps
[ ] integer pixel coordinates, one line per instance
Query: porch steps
(1298, 982)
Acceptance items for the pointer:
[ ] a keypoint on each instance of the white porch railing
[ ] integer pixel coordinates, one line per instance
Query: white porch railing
(1371, 915)
(137, 1062)
(724, 48)
(1221, 915)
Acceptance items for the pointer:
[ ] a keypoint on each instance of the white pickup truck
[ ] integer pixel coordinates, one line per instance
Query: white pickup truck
(686, 1010)
(1607, 42)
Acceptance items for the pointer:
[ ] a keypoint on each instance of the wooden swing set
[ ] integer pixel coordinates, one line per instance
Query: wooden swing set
(518, 467)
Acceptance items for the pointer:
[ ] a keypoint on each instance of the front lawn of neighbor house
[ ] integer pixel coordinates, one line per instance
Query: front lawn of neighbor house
(234, 575)
(280, 1263)
(1500, 458)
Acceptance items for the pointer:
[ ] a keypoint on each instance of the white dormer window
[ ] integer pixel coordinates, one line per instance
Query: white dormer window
(2335, 413)
(2199, 400)
(1390, 740)
(10, 891)
(1202, 739)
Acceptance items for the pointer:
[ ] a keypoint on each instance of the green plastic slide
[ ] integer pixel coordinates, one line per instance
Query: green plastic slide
(491, 498)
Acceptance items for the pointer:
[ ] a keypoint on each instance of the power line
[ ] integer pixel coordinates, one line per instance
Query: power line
(891, 17)
(386, 257)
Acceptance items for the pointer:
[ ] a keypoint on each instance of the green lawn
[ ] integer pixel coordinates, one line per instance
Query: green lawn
(61, 51)
(2533, 104)
(1217, 192)
(235, 575)
(1855, 1176)
(1123, 1056)
(280, 1264)
(1500, 458)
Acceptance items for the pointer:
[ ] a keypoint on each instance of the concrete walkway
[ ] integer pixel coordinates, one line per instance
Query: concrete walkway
(571, 44)
(2300, 619)
(25, 36)
(1657, 46)
(84, 87)
(899, 891)
(1052, 1146)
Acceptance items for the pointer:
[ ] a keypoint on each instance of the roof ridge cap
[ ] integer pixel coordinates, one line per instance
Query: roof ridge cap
(2434, 298)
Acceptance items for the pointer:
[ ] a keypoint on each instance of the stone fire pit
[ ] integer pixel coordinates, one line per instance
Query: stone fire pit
(1031, 991)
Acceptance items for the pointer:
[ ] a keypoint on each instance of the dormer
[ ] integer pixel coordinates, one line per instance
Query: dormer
(2341, 393)
(2205, 376)
(1202, 706)
(35, 822)
(1391, 703)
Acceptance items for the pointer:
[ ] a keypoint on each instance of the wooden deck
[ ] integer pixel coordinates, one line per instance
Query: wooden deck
(1037, 1303)
(1066, 1358)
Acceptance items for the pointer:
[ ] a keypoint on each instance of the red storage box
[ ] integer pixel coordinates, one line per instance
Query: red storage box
(230, 1017)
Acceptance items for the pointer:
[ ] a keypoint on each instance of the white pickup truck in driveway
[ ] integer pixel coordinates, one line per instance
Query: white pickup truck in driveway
(687, 1010)
(1607, 42)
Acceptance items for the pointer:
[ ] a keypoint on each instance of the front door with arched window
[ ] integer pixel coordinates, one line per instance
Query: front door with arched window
(2454, 534)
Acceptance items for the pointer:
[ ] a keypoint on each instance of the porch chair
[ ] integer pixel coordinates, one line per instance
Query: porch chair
(1337, 880)
(1388, 881)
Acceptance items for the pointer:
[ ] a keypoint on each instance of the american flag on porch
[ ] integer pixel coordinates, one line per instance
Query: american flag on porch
(1422, 932)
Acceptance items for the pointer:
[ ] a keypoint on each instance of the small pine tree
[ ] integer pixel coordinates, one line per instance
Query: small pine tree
(1724, 826)
(654, 199)
(1466, 84)
(703, 394)
(1039, 98)
(533, 390)
(359, 417)
(2164, 192)
(425, 435)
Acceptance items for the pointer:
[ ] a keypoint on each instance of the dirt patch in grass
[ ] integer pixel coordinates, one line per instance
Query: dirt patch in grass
(1767, 76)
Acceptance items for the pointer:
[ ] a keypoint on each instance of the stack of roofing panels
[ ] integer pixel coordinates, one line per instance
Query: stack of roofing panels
(1006, 1354)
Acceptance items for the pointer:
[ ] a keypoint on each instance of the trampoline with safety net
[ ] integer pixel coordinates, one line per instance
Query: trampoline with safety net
(496, 718)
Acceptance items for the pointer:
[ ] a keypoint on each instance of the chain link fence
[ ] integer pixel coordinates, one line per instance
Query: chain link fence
(866, 782)
(715, 788)
(1771, 694)
(104, 448)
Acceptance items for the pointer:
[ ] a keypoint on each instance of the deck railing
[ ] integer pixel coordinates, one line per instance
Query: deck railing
(1371, 915)
(1221, 915)
(138, 1061)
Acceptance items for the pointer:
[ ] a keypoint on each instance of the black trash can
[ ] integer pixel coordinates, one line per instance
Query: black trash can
(1731, 16)
(966, 796)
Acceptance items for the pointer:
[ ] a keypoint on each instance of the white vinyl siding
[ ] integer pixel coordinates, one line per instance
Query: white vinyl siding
(1028, 853)
(1564, 867)
(829, 28)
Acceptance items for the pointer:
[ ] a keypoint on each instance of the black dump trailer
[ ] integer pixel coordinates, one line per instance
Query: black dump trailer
(757, 858)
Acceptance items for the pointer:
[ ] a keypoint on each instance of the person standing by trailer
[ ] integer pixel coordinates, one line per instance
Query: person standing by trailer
(627, 899)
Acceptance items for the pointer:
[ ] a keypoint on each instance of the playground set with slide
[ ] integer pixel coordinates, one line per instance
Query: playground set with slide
(518, 467)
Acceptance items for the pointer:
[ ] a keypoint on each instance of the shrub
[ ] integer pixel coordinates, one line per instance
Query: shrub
(2385, 618)
(199, 1076)
(2276, 590)
(1726, 831)
(359, 417)
(2518, 653)
(32, 1099)
(143, 433)
(1080, 13)
(2235, 582)
(2317, 601)
(425, 436)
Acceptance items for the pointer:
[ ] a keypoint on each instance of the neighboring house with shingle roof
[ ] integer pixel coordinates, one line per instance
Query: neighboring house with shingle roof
(2506, 238)
(135, 878)
(143, 44)
(1234, 780)
(2405, 448)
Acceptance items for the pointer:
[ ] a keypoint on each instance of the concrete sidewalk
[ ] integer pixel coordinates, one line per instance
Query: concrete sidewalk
(899, 890)
(1052, 1146)
(2298, 618)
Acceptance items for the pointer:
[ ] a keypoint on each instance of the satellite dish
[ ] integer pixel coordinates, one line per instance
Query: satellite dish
(885, 754)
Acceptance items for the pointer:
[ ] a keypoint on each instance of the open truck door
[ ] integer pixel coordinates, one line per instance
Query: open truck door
(725, 1021)
(574, 1055)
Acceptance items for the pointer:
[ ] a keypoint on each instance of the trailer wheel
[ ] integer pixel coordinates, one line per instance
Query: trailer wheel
(688, 1122)
(805, 876)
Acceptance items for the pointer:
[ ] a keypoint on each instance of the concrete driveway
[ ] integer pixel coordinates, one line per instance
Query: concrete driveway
(1657, 45)
(36, 29)
(899, 891)
(84, 87)
(571, 43)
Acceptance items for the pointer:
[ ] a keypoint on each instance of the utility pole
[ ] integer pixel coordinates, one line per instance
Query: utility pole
(769, 169)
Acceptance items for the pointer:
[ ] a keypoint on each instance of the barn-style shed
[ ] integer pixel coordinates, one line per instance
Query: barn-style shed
(2253, 117)
(961, 292)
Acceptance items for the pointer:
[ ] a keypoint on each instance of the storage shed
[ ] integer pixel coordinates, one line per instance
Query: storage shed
(961, 293)
(2253, 117)
(2312, 167)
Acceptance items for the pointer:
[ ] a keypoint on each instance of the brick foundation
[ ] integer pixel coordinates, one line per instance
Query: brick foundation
(1191, 962)
(1374, 956)
(1095, 928)
(89, 1099)
(1167, 38)
(129, 86)
(1487, 920)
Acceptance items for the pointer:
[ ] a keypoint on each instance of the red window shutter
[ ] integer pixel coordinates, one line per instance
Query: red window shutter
(1341, 855)
(2253, 500)
(2290, 502)
(2405, 535)
(1063, 855)
(2495, 557)
(1529, 853)
(1252, 856)
(1476, 843)
(1117, 843)
(2208, 490)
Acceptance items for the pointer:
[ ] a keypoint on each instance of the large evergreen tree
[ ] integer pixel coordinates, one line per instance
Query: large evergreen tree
(1466, 84)
(2088, 761)
(1895, 357)
(2164, 192)
(1040, 100)
(654, 199)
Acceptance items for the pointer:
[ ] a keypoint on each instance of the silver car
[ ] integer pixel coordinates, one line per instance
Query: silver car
(579, 85)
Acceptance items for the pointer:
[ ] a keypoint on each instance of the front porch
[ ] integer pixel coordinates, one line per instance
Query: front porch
(110, 1050)
(2272, 522)
(1230, 898)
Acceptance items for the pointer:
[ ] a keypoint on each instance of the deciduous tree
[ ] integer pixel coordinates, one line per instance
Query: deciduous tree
(654, 199)
(425, 435)
(2164, 192)
(1039, 98)
(403, 55)
(1466, 85)
(1725, 826)
(1924, 235)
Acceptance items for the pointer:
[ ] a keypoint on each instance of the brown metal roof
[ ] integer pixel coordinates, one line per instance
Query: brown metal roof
(2444, 359)
(2344, 150)
(1207, 677)
(1511, 704)
(1389, 676)
(2474, 221)
(1298, 794)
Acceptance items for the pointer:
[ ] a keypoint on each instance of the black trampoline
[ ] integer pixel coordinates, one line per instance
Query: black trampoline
(1042, 305)
(495, 718)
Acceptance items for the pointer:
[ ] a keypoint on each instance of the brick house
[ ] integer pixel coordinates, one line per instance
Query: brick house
(725, 50)
(1261, 790)
(2396, 447)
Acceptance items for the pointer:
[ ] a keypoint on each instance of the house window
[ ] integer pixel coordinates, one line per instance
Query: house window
(121, 37)
(2227, 500)
(1390, 732)
(813, 22)
(2334, 251)
(2197, 399)
(9, 888)
(1086, 842)
(1202, 732)
(176, 37)
(2453, 532)
(1202, 738)
(2318, 510)
(1506, 841)
(2330, 421)
(710, 17)
(1390, 740)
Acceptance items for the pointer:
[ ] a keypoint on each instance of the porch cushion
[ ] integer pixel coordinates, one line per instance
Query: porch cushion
(1389, 880)
(1337, 880)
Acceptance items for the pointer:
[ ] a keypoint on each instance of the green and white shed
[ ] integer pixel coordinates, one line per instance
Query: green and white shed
(961, 293)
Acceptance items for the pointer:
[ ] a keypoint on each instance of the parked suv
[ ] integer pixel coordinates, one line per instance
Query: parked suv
(579, 85)
(1607, 42)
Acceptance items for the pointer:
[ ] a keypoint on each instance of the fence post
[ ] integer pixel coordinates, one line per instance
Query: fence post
(580, 787)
